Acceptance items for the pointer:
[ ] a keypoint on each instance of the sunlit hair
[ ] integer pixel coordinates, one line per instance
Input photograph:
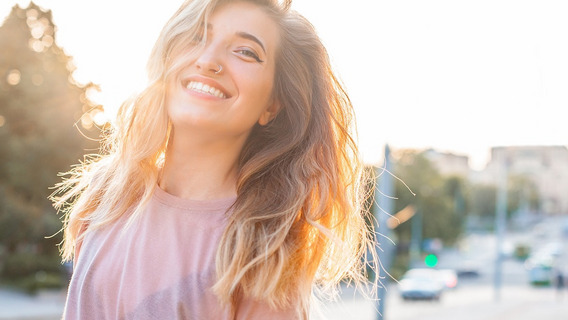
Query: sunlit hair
(297, 219)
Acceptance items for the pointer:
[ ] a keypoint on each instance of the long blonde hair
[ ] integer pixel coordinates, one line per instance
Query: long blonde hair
(297, 219)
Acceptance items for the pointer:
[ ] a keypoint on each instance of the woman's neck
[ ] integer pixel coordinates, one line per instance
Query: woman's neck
(201, 170)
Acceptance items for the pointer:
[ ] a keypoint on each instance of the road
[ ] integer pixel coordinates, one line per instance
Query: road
(471, 302)
(474, 299)
(44, 306)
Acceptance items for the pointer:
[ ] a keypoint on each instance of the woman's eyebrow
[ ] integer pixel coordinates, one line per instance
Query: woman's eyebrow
(244, 35)
(249, 36)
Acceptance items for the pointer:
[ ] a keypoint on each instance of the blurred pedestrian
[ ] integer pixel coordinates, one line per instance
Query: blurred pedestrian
(229, 186)
(559, 284)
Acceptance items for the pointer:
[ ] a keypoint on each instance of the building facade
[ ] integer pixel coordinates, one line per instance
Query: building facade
(449, 164)
(545, 166)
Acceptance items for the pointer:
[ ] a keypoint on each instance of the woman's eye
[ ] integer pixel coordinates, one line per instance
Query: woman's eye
(249, 53)
(197, 38)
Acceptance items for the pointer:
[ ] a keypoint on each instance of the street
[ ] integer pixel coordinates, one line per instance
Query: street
(470, 301)
(474, 298)
(475, 302)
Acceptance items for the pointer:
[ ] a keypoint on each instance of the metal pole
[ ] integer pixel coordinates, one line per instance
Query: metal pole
(416, 237)
(383, 204)
(500, 222)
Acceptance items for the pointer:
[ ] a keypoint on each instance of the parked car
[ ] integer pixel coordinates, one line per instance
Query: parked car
(469, 269)
(540, 268)
(421, 284)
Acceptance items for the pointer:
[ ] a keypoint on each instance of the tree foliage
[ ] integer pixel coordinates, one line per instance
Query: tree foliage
(445, 202)
(520, 191)
(42, 111)
(440, 200)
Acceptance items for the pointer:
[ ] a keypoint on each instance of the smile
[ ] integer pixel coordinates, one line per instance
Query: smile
(205, 88)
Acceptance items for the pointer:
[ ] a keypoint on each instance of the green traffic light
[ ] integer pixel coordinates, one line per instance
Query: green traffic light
(431, 260)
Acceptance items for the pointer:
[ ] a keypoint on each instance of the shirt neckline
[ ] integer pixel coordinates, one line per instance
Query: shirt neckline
(168, 199)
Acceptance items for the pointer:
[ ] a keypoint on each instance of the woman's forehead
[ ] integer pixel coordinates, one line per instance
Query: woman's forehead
(247, 21)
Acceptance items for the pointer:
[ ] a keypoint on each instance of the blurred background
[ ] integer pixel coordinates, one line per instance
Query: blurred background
(460, 119)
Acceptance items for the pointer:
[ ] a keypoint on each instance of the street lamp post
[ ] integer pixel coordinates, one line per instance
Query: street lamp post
(500, 222)
(416, 237)
(383, 207)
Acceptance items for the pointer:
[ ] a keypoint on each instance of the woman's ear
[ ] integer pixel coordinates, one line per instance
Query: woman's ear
(270, 113)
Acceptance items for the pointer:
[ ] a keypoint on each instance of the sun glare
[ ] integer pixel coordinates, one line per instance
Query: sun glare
(411, 87)
(100, 118)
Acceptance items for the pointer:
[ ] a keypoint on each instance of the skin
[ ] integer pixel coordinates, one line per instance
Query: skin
(210, 130)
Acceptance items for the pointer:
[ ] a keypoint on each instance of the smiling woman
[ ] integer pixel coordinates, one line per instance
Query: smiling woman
(230, 186)
(226, 87)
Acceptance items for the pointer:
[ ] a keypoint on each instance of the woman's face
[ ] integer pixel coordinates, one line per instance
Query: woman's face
(241, 42)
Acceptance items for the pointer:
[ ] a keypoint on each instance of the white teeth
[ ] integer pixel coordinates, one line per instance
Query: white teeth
(204, 88)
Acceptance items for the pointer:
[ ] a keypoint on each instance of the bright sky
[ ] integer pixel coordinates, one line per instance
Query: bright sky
(458, 76)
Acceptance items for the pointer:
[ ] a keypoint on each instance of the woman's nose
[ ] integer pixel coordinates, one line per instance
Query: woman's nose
(209, 60)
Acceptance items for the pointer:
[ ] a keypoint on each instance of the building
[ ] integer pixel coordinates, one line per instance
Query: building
(546, 166)
(449, 164)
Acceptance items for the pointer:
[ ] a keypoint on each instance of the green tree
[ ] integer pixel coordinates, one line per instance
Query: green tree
(440, 201)
(521, 191)
(483, 200)
(436, 197)
(42, 111)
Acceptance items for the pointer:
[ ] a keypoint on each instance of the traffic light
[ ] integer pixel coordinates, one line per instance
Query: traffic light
(431, 260)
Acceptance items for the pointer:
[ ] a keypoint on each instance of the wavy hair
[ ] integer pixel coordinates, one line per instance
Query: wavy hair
(298, 217)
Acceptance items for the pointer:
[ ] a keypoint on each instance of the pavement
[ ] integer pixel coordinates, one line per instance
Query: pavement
(473, 302)
(477, 302)
(46, 305)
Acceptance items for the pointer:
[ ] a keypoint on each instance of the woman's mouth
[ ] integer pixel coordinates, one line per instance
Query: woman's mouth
(205, 89)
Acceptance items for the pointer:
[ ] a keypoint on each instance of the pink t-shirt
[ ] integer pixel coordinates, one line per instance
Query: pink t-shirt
(162, 267)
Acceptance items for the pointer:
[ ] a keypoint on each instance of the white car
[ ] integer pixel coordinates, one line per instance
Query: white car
(540, 267)
(421, 284)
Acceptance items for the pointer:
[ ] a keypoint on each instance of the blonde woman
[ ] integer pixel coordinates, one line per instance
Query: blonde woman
(229, 187)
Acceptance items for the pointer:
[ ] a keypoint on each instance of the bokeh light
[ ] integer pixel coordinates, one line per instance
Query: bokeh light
(37, 79)
(100, 118)
(14, 77)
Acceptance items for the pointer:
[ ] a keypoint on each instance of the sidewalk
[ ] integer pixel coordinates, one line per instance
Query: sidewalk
(473, 303)
(47, 305)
